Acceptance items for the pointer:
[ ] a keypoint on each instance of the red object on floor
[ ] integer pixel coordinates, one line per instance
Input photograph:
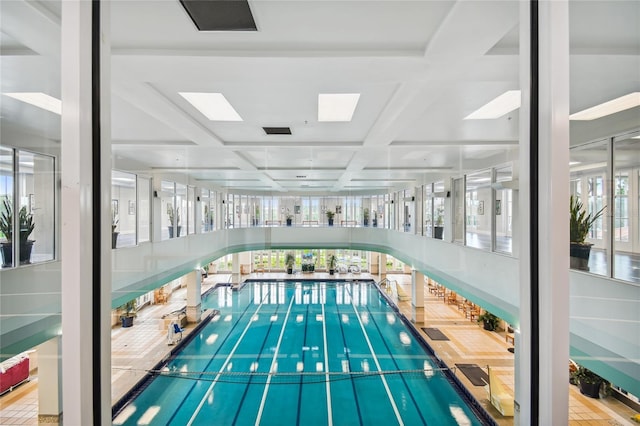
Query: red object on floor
(13, 371)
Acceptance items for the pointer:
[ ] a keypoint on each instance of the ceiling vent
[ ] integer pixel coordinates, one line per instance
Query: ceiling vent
(277, 130)
(216, 15)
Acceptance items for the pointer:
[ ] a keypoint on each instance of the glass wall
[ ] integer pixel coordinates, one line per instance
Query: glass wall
(32, 213)
(478, 209)
(458, 211)
(503, 209)
(191, 209)
(143, 209)
(123, 209)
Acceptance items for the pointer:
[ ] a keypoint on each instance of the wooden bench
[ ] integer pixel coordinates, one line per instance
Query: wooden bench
(309, 222)
(273, 222)
(510, 339)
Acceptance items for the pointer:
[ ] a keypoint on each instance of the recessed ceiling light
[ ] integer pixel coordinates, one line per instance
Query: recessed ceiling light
(636, 137)
(607, 108)
(573, 163)
(337, 106)
(503, 104)
(214, 106)
(39, 99)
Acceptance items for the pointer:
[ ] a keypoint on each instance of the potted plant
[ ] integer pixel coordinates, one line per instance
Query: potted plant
(375, 219)
(114, 233)
(490, 321)
(579, 225)
(438, 229)
(26, 227)
(256, 217)
(308, 263)
(289, 218)
(130, 308)
(332, 263)
(589, 382)
(330, 214)
(366, 217)
(289, 260)
(174, 220)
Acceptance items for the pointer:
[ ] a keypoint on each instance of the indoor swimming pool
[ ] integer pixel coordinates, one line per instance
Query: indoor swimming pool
(300, 353)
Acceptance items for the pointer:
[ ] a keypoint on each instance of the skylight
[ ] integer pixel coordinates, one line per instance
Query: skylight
(39, 99)
(214, 106)
(337, 106)
(503, 104)
(607, 108)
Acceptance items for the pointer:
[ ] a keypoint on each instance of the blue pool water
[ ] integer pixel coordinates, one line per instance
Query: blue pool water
(337, 354)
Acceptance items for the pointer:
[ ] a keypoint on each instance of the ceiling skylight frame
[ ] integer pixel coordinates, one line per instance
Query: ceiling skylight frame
(498, 107)
(214, 106)
(38, 99)
(619, 104)
(337, 107)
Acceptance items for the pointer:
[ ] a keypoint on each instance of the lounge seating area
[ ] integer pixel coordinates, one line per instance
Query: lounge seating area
(13, 372)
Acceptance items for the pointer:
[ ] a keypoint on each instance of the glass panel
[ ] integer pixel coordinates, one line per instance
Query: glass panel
(191, 210)
(123, 209)
(6, 206)
(438, 210)
(205, 213)
(427, 195)
(182, 211)
(167, 209)
(143, 209)
(36, 207)
(478, 207)
(626, 155)
(589, 166)
(503, 210)
(458, 209)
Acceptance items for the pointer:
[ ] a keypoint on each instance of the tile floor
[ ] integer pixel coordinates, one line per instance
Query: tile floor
(138, 348)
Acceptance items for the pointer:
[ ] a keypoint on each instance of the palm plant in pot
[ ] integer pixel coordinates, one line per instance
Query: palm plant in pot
(330, 214)
(332, 261)
(130, 308)
(366, 217)
(174, 220)
(579, 225)
(289, 219)
(489, 321)
(589, 382)
(26, 227)
(289, 260)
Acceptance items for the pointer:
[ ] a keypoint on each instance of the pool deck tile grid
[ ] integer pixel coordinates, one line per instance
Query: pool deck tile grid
(140, 347)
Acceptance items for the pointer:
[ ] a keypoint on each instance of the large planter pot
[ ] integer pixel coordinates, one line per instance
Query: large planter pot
(488, 325)
(114, 239)
(438, 232)
(289, 221)
(289, 271)
(579, 256)
(366, 222)
(330, 222)
(24, 256)
(332, 271)
(170, 228)
(591, 390)
(127, 321)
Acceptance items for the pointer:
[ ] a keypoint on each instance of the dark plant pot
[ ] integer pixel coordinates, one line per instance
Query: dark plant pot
(25, 253)
(330, 222)
(579, 256)
(127, 321)
(366, 222)
(170, 228)
(488, 325)
(375, 223)
(289, 270)
(332, 271)
(114, 239)
(591, 390)
(438, 232)
(289, 221)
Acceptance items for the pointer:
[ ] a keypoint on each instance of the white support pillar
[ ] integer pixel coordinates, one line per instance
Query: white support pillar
(49, 381)
(235, 268)
(383, 266)
(417, 296)
(553, 199)
(80, 394)
(194, 296)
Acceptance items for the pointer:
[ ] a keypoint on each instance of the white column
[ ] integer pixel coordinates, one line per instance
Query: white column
(417, 296)
(49, 381)
(553, 195)
(235, 268)
(194, 296)
(383, 266)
